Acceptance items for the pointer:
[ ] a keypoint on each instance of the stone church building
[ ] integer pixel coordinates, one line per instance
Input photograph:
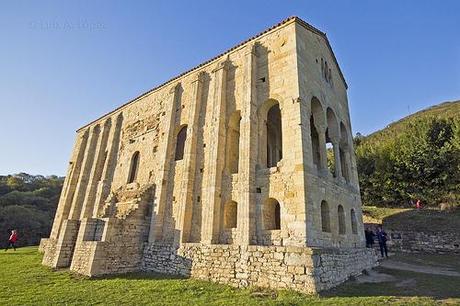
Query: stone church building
(240, 171)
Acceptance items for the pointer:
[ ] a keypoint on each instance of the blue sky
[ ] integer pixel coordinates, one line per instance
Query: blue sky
(63, 64)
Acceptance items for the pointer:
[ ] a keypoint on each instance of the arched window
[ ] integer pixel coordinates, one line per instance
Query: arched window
(341, 216)
(180, 144)
(354, 226)
(274, 136)
(325, 217)
(233, 142)
(272, 214)
(134, 167)
(316, 120)
(332, 138)
(230, 214)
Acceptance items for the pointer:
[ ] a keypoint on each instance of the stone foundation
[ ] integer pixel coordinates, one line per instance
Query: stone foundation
(303, 269)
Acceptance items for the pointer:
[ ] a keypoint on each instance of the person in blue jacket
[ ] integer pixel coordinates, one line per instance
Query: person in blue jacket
(382, 239)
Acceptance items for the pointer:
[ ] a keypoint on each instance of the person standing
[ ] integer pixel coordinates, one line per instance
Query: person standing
(382, 238)
(12, 240)
(369, 234)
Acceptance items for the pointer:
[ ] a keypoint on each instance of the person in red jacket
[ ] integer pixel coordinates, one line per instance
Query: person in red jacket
(12, 240)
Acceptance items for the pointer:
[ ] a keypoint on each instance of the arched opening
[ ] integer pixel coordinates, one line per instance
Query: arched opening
(180, 144)
(274, 136)
(230, 214)
(354, 226)
(233, 142)
(325, 217)
(330, 154)
(344, 147)
(133, 167)
(316, 121)
(341, 216)
(332, 137)
(272, 214)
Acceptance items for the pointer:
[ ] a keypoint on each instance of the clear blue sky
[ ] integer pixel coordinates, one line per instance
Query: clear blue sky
(63, 63)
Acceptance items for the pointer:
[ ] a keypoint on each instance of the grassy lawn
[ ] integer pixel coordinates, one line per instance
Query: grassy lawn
(373, 214)
(24, 281)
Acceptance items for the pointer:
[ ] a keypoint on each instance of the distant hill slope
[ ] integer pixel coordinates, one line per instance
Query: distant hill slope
(445, 110)
(416, 157)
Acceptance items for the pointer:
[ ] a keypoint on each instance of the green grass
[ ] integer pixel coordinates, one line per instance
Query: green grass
(380, 213)
(24, 281)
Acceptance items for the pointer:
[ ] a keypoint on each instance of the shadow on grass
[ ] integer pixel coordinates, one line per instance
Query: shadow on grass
(405, 284)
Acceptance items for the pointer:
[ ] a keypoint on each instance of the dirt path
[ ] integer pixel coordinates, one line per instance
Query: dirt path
(398, 265)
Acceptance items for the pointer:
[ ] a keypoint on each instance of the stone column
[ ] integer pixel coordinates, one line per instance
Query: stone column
(246, 220)
(337, 161)
(353, 167)
(322, 149)
(347, 162)
(70, 183)
(212, 200)
(80, 190)
(161, 193)
(189, 163)
(98, 167)
(103, 189)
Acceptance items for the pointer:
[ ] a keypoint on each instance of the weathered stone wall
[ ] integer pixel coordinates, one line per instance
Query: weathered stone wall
(411, 241)
(300, 268)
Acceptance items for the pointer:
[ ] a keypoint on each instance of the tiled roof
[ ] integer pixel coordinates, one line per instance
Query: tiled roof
(285, 21)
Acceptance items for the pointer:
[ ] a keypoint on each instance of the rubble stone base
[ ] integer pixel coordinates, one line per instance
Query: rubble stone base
(304, 269)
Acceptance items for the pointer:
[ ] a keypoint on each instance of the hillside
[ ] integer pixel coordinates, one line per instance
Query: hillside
(445, 110)
(417, 157)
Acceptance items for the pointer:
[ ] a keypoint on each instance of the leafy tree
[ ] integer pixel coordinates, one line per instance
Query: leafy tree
(419, 161)
(27, 204)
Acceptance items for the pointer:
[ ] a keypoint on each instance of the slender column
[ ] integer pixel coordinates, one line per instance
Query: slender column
(157, 219)
(247, 162)
(322, 148)
(70, 183)
(109, 166)
(214, 167)
(348, 165)
(189, 162)
(337, 161)
(82, 184)
(99, 161)
(347, 161)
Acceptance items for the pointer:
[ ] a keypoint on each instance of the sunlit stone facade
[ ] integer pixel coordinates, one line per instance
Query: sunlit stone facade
(222, 173)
